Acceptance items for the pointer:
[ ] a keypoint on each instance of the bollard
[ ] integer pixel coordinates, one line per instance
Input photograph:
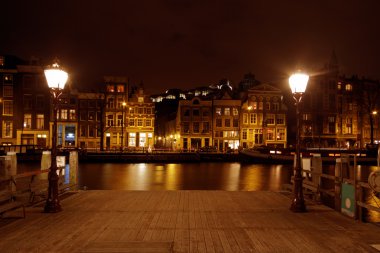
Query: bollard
(73, 164)
(45, 163)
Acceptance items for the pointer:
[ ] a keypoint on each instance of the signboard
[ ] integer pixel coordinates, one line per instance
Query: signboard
(348, 200)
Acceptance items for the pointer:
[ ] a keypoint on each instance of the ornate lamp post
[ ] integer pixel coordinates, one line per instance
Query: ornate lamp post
(56, 78)
(298, 84)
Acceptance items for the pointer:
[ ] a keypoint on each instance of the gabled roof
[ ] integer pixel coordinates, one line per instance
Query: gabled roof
(264, 88)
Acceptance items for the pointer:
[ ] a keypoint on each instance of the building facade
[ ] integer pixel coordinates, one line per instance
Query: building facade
(263, 118)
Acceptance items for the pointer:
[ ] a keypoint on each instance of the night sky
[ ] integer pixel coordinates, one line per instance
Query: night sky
(191, 43)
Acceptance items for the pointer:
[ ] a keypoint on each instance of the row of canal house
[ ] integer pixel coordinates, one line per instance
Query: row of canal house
(336, 112)
(113, 117)
(219, 117)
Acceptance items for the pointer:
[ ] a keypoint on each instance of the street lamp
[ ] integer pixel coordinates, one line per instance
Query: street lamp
(298, 84)
(124, 104)
(56, 78)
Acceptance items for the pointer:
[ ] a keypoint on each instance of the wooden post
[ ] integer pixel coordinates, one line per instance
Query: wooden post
(338, 184)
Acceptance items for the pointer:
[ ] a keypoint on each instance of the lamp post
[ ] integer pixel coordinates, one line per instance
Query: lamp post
(124, 104)
(56, 78)
(298, 84)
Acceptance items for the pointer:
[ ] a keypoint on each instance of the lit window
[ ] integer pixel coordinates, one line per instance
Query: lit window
(7, 129)
(227, 112)
(235, 111)
(120, 88)
(64, 114)
(348, 87)
(110, 88)
(8, 107)
(27, 121)
(40, 121)
(218, 111)
(72, 114)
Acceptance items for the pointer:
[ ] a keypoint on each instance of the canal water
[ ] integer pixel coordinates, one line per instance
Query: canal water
(192, 176)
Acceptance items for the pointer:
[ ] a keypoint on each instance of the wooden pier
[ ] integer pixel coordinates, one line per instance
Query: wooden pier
(184, 221)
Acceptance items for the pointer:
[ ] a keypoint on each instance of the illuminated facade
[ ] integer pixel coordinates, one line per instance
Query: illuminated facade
(263, 117)
(193, 125)
(139, 116)
(226, 121)
(116, 95)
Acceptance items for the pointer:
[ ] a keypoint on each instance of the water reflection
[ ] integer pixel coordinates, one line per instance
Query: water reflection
(187, 176)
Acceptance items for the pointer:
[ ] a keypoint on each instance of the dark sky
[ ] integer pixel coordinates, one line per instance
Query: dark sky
(190, 43)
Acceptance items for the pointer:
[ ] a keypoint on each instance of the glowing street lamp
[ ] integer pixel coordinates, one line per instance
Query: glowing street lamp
(298, 84)
(56, 78)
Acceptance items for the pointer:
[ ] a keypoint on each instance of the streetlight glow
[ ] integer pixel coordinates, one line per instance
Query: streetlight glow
(55, 76)
(298, 82)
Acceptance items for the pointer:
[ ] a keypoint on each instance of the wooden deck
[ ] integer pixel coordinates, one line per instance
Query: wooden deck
(184, 221)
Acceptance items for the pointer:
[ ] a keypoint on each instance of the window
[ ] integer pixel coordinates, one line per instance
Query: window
(83, 115)
(110, 120)
(139, 122)
(111, 103)
(83, 131)
(8, 107)
(140, 110)
(206, 127)
(270, 119)
(195, 112)
(270, 134)
(196, 127)
(131, 122)
(254, 105)
(27, 121)
(227, 123)
(148, 122)
(8, 79)
(7, 129)
(72, 114)
(349, 125)
(218, 111)
(28, 105)
(227, 112)
(260, 105)
(40, 121)
(132, 140)
(140, 99)
(245, 118)
(267, 106)
(245, 134)
(148, 110)
(235, 123)
(120, 88)
(186, 113)
(8, 91)
(40, 102)
(253, 118)
(91, 131)
(280, 119)
(119, 120)
(306, 116)
(186, 127)
(280, 134)
(110, 88)
(64, 114)
(276, 106)
(235, 111)
(218, 122)
(205, 113)
(348, 87)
